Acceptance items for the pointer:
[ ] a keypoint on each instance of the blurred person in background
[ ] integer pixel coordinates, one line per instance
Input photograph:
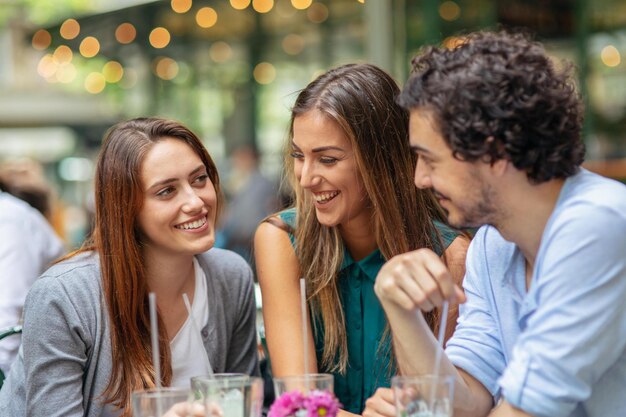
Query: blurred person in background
(86, 341)
(28, 244)
(350, 165)
(251, 197)
(25, 179)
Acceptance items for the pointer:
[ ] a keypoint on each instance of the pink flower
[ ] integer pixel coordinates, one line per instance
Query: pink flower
(322, 404)
(287, 404)
(315, 404)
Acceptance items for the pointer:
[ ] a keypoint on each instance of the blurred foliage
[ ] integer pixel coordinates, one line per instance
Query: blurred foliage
(41, 12)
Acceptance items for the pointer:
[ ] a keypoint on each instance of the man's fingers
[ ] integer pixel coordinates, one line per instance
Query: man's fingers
(460, 295)
(386, 394)
(436, 270)
(416, 279)
(381, 404)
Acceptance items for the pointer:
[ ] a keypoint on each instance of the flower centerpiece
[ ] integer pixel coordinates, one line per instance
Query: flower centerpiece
(315, 403)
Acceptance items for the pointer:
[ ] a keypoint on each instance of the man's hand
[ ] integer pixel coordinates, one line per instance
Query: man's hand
(417, 279)
(381, 404)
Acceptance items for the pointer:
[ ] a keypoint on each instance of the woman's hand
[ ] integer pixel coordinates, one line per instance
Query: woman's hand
(381, 404)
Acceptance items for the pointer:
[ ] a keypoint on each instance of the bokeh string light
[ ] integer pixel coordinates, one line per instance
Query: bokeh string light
(89, 47)
(70, 29)
(159, 37)
(41, 39)
(239, 4)
(181, 6)
(262, 6)
(125, 33)
(610, 56)
(206, 17)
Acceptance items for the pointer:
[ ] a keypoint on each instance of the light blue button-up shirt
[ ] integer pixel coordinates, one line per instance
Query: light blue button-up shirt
(558, 349)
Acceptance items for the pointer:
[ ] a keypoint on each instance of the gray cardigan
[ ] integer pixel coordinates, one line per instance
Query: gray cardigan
(64, 363)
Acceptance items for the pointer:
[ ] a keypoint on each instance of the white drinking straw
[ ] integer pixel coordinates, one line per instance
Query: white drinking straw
(440, 336)
(305, 333)
(196, 330)
(156, 358)
(154, 328)
(439, 352)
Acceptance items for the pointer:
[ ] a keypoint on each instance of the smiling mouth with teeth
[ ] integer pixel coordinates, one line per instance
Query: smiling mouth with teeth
(325, 197)
(192, 225)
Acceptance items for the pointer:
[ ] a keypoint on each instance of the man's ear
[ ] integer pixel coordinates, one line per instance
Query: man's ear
(497, 160)
(499, 167)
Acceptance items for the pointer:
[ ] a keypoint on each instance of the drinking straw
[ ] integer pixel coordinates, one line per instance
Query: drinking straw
(196, 330)
(156, 358)
(154, 328)
(440, 336)
(439, 352)
(305, 333)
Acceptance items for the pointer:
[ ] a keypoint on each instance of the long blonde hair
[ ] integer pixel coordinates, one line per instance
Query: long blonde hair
(361, 100)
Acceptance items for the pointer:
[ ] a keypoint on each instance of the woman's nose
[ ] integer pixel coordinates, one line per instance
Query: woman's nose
(308, 177)
(193, 202)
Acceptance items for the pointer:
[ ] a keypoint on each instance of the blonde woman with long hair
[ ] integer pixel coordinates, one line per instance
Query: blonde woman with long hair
(351, 168)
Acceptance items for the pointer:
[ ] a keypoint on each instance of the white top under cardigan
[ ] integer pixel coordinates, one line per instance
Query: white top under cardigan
(64, 363)
(188, 354)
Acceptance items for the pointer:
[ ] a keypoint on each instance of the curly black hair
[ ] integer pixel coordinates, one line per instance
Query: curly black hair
(498, 95)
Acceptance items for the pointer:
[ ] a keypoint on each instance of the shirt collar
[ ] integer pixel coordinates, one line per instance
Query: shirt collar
(370, 265)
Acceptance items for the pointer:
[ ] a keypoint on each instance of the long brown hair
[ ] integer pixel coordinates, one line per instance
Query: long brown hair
(116, 238)
(360, 98)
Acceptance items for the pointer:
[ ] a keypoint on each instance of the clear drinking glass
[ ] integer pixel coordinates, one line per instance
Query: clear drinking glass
(165, 402)
(423, 396)
(233, 396)
(304, 383)
(199, 383)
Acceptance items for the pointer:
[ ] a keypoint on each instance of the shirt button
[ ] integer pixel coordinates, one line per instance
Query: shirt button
(357, 326)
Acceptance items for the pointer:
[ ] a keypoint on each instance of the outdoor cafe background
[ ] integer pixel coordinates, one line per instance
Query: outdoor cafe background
(230, 69)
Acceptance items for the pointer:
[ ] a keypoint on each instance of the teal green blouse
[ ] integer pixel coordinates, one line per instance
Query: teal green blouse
(369, 363)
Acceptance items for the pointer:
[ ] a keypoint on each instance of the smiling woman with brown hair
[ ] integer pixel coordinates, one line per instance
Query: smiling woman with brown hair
(350, 165)
(86, 341)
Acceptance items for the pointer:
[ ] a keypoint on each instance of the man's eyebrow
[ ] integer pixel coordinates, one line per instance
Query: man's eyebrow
(417, 148)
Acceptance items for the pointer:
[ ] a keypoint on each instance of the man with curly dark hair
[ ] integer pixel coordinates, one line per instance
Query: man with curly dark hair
(496, 125)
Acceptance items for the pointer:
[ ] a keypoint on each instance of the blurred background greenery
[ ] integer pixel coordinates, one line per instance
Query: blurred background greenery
(230, 69)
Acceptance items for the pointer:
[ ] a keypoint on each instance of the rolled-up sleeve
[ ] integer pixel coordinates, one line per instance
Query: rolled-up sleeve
(476, 344)
(574, 317)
